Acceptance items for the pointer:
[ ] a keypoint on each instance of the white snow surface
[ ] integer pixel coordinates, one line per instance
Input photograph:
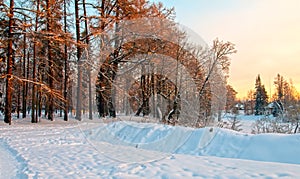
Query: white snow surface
(120, 149)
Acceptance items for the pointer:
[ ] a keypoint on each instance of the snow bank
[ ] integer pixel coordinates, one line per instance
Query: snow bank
(93, 149)
(201, 142)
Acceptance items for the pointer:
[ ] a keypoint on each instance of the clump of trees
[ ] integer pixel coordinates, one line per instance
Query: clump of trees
(283, 105)
(35, 34)
(53, 51)
(166, 83)
(43, 58)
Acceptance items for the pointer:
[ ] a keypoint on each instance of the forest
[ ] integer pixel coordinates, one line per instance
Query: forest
(60, 57)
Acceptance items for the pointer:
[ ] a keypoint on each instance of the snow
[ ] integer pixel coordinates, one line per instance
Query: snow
(247, 121)
(120, 149)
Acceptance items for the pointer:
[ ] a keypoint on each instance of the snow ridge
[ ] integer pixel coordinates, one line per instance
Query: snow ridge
(200, 142)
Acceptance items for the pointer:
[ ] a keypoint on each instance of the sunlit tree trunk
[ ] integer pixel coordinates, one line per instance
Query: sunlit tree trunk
(33, 96)
(9, 78)
(50, 62)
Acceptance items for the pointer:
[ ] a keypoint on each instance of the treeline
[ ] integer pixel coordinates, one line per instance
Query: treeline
(58, 54)
(279, 111)
(285, 98)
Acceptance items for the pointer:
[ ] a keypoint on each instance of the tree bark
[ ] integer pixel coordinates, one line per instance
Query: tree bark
(33, 96)
(66, 106)
(18, 100)
(89, 65)
(79, 72)
(9, 78)
(27, 76)
(24, 83)
(50, 63)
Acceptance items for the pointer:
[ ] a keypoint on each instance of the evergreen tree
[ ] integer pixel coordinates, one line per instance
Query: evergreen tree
(261, 97)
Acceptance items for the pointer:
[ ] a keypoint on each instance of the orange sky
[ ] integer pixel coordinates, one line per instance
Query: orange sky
(266, 34)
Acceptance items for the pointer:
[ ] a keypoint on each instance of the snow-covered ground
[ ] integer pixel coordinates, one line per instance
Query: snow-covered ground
(105, 149)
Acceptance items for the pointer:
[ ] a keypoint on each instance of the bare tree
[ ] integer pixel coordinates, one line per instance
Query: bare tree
(219, 52)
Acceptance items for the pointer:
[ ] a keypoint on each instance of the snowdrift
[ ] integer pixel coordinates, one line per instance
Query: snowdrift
(200, 142)
(93, 149)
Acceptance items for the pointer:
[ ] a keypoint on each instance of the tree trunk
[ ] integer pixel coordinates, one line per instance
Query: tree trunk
(79, 72)
(127, 105)
(24, 83)
(50, 63)
(144, 107)
(33, 96)
(66, 106)
(89, 65)
(9, 87)
(27, 76)
(18, 100)
(153, 90)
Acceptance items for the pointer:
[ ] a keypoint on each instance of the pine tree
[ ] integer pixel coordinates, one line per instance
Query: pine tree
(9, 66)
(261, 98)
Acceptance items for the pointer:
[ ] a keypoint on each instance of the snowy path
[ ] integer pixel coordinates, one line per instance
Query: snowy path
(66, 150)
(9, 167)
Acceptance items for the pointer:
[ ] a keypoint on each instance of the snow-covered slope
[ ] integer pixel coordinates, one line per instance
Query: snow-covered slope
(201, 142)
(92, 149)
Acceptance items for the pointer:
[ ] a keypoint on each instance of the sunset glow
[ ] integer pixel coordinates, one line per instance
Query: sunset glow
(265, 32)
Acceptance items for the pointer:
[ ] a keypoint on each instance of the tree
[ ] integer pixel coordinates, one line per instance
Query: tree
(261, 98)
(79, 63)
(279, 83)
(220, 52)
(66, 66)
(25, 84)
(287, 103)
(49, 28)
(230, 98)
(9, 66)
(249, 103)
(111, 13)
(33, 91)
(36, 58)
(281, 87)
(87, 40)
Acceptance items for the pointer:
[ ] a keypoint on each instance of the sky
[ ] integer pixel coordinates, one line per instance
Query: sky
(266, 34)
